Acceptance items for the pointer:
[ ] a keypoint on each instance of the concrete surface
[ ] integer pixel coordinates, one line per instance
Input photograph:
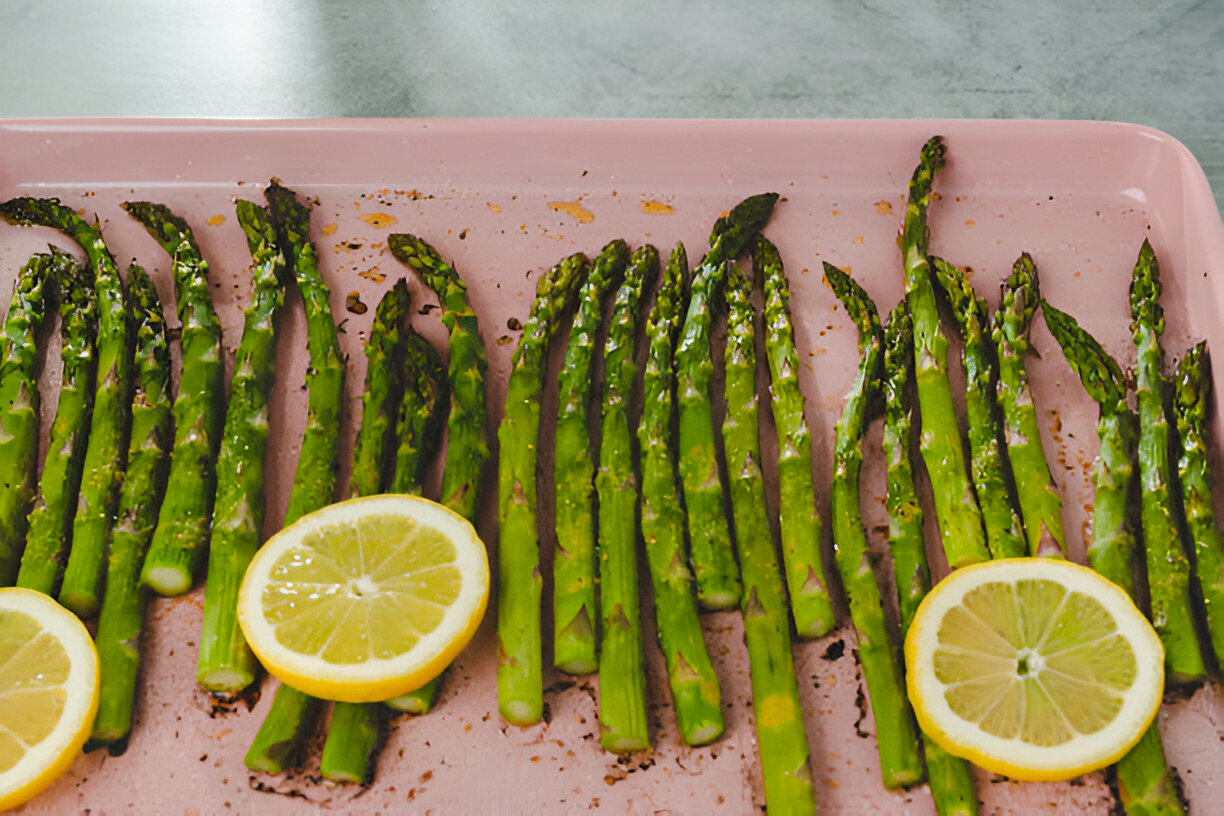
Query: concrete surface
(1122, 60)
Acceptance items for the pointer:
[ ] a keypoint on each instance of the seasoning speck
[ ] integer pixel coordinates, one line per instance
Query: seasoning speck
(353, 303)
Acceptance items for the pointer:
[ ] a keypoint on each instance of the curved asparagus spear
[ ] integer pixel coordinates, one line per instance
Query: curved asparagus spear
(418, 425)
(956, 509)
(354, 732)
(905, 541)
(949, 777)
(102, 472)
(19, 406)
(1168, 567)
(710, 547)
(781, 737)
(226, 663)
(896, 733)
(49, 528)
(314, 481)
(314, 484)
(181, 538)
(467, 431)
(373, 450)
(988, 462)
(1039, 500)
(520, 685)
(418, 430)
(800, 522)
(105, 457)
(575, 611)
(121, 617)
(622, 669)
(694, 685)
(1145, 784)
(1192, 387)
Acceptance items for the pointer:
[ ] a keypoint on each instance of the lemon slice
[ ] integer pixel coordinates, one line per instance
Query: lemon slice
(1033, 668)
(48, 692)
(365, 599)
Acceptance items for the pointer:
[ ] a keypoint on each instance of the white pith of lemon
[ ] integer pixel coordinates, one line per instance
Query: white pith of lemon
(1034, 668)
(49, 685)
(365, 599)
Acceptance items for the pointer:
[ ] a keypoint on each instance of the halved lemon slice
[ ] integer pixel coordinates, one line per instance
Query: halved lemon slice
(1033, 668)
(48, 692)
(365, 599)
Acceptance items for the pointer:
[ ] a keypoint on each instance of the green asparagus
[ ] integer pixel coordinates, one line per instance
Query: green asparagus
(314, 485)
(226, 663)
(574, 608)
(49, 526)
(1172, 606)
(949, 778)
(1145, 784)
(622, 669)
(1038, 498)
(988, 462)
(19, 407)
(520, 684)
(799, 520)
(711, 549)
(123, 604)
(421, 411)
(354, 731)
(181, 538)
(417, 430)
(694, 685)
(781, 737)
(896, 733)
(374, 449)
(105, 457)
(1191, 397)
(956, 509)
(102, 472)
(467, 432)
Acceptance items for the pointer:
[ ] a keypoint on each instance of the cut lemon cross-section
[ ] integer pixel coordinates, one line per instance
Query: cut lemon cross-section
(1034, 668)
(48, 692)
(365, 599)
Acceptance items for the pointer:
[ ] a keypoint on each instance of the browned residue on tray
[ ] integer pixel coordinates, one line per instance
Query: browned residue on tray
(379, 220)
(652, 207)
(328, 229)
(374, 273)
(495, 208)
(883, 207)
(580, 213)
(216, 220)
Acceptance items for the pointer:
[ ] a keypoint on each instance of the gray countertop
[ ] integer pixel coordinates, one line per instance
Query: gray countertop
(1124, 60)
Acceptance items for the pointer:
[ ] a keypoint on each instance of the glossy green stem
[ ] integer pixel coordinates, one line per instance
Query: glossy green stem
(694, 685)
(781, 737)
(799, 520)
(988, 462)
(49, 525)
(1168, 568)
(896, 732)
(623, 724)
(226, 664)
(19, 406)
(180, 541)
(575, 610)
(1145, 784)
(956, 509)
(520, 686)
(121, 618)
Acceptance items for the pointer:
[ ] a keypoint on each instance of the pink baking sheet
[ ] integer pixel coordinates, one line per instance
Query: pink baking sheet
(504, 200)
